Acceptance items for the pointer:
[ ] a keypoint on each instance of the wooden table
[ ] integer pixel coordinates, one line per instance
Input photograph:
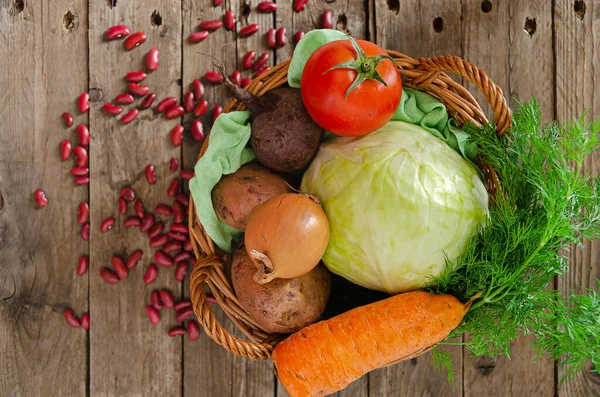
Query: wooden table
(54, 50)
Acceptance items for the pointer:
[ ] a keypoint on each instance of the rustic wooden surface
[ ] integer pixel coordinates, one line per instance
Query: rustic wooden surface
(54, 50)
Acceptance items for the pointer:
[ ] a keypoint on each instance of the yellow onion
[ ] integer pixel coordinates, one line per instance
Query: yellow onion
(286, 236)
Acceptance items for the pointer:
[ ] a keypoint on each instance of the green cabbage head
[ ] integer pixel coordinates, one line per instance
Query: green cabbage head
(399, 202)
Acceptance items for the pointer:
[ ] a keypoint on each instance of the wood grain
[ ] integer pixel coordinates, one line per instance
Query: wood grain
(129, 356)
(577, 76)
(44, 67)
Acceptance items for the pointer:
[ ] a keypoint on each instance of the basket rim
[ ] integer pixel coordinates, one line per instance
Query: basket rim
(211, 269)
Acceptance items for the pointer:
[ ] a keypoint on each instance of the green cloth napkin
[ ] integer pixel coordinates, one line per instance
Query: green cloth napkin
(225, 154)
(415, 107)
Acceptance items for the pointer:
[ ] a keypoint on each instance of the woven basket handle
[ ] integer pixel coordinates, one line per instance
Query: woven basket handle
(493, 94)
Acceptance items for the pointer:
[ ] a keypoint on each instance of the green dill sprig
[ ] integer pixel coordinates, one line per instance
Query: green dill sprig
(544, 205)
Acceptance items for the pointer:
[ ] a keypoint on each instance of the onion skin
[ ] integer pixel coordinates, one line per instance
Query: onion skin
(286, 236)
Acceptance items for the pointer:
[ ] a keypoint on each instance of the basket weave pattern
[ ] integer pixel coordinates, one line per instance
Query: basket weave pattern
(212, 266)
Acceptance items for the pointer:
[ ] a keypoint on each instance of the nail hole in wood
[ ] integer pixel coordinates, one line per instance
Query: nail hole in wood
(530, 26)
(342, 21)
(70, 20)
(486, 6)
(111, 3)
(155, 18)
(96, 94)
(244, 10)
(438, 24)
(579, 8)
(413, 361)
(19, 6)
(329, 1)
(394, 5)
(485, 365)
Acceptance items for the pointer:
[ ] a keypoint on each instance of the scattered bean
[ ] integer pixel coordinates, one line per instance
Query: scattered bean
(171, 246)
(119, 266)
(66, 116)
(187, 246)
(83, 212)
(177, 236)
(148, 101)
(249, 30)
(138, 207)
(261, 61)
(130, 116)
(186, 174)
(229, 20)
(158, 241)
(153, 315)
(217, 110)
(134, 258)
(115, 32)
(196, 130)
(182, 199)
(127, 193)
(81, 180)
(109, 276)
(181, 271)
(122, 206)
(213, 77)
(181, 304)
(112, 109)
(281, 37)
(84, 102)
(81, 156)
(271, 40)
(236, 77)
(166, 104)
(71, 319)
(179, 212)
(179, 228)
(217, 3)
(163, 259)
(155, 300)
(107, 224)
(266, 6)
(135, 40)
(136, 77)
(80, 171)
(178, 331)
(132, 221)
(201, 108)
(147, 223)
(211, 25)
(261, 71)
(248, 59)
(327, 20)
(174, 112)
(124, 99)
(299, 5)
(166, 297)
(246, 82)
(151, 274)
(197, 37)
(193, 330)
(156, 229)
(173, 164)
(183, 314)
(173, 187)
(138, 90)
(197, 89)
(85, 321)
(153, 59)
(298, 36)
(82, 265)
(85, 231)
(65, 149)
(150, 174)
(182, 256)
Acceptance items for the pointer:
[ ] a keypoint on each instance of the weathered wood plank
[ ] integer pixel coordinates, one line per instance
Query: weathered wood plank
(577, 74)
(512, 43)
(44, 65)
(128, 355)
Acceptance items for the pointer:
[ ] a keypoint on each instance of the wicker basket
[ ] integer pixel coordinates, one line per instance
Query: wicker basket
(212, 267)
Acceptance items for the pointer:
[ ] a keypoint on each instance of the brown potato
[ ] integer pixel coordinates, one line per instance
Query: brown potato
(238, 194)
(282, 305)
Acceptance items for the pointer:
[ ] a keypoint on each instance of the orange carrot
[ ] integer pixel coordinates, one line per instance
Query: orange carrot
(327, 356)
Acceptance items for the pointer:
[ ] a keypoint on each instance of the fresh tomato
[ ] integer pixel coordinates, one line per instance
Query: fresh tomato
(343, 87)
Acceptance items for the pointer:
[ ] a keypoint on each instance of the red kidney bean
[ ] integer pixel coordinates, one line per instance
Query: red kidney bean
(85, 231)
(229, 20)
(156, 229)
(155, 299)
(163, 259)
(71, 319)
(246, 82)
(148, 101)
(217, 110)
(173, 187)
(82, 265)
(107, 224)
(81, 180)
(130, 116)
(135, 40)
(171, 246)
(174, 112)
(138, 90)
(166, 104)
(181, 304)
(197, 37)
(109, 276)
(249, 30)
(151, 274)
(65, 149)
(248, 59)
(181, 271)
(182, 199)
(66, 116)
(122, 206)
(262, 71)
(147, 223)
(84, 102)
(80, 171)
(298, 36)
(158, 241)
(217, 3)
(281, 37)
(85, 321)
(136, 77)
(153, 315)
(119, 266)
(138, 206)
(271, 41)
(179, 212)
(83, 213)
(201, 108)
(114, 32)
(266, 6)
(213, 77)
(261, 61)
(83, 134)
(132, 221)
(81, 156)
(177, 236)
(179, 228)
(134, 258)
(211, 25)
(182, 256)
(173, 164)
(112, 109)
(153, 59)
(183, 314)
(196, 130)
(186, 174)
(327, 20)
(124, 99)
(187, 246)
(299, 5)
(178, 331)
(127, 193)
(193, 330)
(188, 101)
(212, 300)
(176, 135)
(197, 89)
(150, 174)
(166, 297)
(236, 77)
